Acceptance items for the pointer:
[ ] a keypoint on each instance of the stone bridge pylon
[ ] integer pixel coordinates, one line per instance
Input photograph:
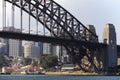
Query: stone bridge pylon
(110, 53)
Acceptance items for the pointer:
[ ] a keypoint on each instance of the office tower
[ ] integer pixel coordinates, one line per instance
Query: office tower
(61, 52)
(3, 49)
(46, 48)
(6, 42)
(53, 49)
(14, 47)
(31, 51)
(40, 44)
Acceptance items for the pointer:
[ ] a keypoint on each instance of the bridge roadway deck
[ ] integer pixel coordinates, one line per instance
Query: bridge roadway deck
(53, 40)
(48, 39)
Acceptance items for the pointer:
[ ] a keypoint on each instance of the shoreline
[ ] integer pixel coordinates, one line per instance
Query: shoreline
(67, 73)
(78, 73)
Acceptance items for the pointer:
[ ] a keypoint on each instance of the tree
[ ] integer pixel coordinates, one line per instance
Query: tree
(4, 62)
(27, 61)
(35, 62)
(48, 61)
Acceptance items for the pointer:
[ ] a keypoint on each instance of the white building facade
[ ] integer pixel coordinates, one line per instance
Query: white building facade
(31, 51)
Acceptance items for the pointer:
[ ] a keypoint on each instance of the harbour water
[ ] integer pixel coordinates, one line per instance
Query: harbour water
(48, 77)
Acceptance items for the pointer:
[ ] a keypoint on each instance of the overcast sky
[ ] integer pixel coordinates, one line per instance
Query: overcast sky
(95, 12)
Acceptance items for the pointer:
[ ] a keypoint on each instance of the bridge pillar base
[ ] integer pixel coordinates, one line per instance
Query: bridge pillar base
(110, 53)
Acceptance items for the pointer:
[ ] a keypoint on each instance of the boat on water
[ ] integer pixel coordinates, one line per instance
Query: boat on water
(35, 73)
(4, 73)
(28, 72)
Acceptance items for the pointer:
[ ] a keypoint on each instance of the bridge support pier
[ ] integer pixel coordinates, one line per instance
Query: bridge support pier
(110, 53)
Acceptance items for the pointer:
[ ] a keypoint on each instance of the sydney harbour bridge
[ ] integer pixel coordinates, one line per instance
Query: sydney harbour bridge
(64, 29)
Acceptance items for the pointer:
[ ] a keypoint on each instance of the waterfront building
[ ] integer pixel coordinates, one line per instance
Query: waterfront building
(31, 51)
(3, 49)
(40, 44)
(6, 48)
(13, 47)
(46, 48)
(61, 52)
(53, 49)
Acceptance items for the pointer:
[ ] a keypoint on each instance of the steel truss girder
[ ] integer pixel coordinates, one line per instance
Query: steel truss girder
(55, 18)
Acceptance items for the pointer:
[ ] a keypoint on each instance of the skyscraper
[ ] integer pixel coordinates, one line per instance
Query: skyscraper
(6, 48)
(2, 49)
(14, 47)
(31, 50)
(40, 44)
(46, 48)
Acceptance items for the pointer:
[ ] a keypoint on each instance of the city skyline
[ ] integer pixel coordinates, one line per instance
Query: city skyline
(97, 13)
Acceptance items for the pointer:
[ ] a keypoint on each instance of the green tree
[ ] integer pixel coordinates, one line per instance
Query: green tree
(48, 61)
(4, 62)
(35, 62)
(27, 61)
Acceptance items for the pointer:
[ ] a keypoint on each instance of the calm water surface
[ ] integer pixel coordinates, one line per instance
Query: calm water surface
(45, 77)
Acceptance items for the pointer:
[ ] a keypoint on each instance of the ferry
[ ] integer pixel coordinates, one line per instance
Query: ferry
(4, 73)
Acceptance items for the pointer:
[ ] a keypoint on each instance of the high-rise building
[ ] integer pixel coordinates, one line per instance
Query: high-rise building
(49, 49)
(40, 44)
(5, 41)
(53, 49)
(46, 48)
(14, 47)
(2, 49)
(61, 52)
(31, 50)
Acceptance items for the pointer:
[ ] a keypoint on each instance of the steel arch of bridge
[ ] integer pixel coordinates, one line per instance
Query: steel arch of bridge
(55, 18)
(60, 23)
